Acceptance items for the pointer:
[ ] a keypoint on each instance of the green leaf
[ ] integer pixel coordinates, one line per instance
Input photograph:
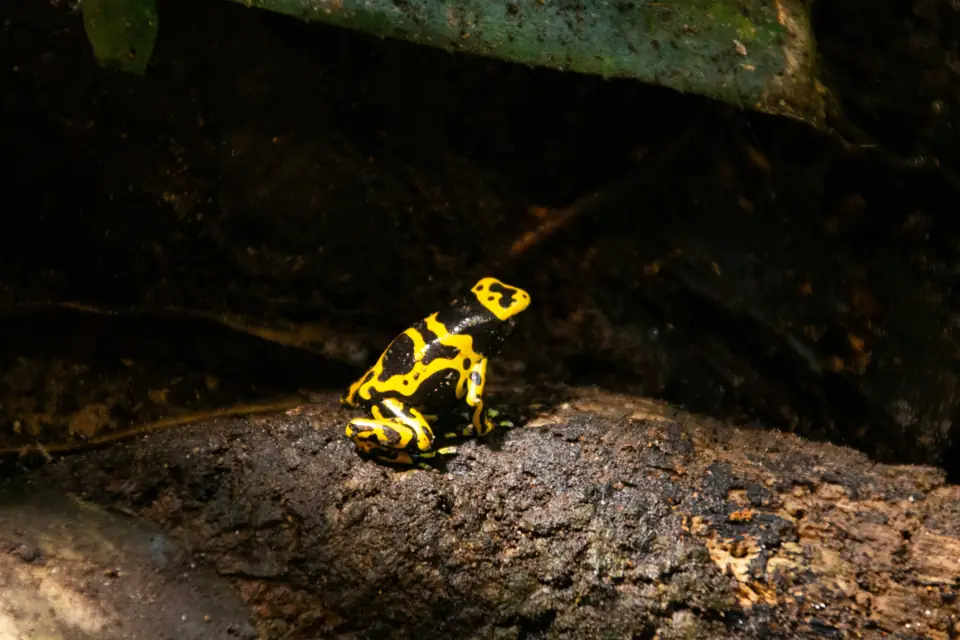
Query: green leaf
(121, 32)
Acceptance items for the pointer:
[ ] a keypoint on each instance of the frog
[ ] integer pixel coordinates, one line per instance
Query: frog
(435, 368)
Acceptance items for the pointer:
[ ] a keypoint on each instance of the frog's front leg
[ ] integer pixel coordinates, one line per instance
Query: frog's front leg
(476, 382)
(396, 433)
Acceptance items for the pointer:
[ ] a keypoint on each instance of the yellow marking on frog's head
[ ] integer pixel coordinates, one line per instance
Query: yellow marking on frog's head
(501, 299)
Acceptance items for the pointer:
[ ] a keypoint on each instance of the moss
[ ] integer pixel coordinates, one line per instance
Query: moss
(687, 46)
(121, 32)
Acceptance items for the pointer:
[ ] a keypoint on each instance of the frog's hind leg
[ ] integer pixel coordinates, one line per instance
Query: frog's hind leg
(396, 434)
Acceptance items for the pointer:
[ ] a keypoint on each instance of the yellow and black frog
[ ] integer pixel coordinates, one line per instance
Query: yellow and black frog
(429, 371)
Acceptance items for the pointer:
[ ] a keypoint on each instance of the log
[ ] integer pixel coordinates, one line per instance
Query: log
(601, 516)
(71, 570)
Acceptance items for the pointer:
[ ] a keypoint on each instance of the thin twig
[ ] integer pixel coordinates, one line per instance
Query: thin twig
(274, 406)
(560, 218)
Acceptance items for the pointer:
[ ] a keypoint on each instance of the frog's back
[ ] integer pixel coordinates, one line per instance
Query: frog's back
(425, 366)
(420, 367)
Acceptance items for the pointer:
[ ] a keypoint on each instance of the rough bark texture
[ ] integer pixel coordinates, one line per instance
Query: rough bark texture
(604, 516)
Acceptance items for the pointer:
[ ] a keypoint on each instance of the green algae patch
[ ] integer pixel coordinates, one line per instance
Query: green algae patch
(757, 54)
(121, 32)
(752, 53)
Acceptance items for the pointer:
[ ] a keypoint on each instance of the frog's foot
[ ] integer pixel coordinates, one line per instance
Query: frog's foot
(396, 434)
(404, 458)
(490, 419)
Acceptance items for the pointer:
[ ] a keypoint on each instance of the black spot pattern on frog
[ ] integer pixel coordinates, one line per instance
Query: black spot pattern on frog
(435, 391)
(398, 358)
(507, 294)
(429, 337)
(438, 350)
(433, 348)
(393, 436)
(470, 320)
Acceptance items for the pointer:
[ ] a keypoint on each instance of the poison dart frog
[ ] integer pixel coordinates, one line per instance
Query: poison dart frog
(433, 368)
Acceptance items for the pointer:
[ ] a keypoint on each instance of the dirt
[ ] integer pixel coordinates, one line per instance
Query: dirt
(608, 516)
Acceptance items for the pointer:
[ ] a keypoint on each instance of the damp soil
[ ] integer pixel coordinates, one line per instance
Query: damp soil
(603, 516)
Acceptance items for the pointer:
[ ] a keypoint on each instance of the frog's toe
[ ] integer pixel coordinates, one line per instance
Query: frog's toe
(427, 455)
(465, 432)
(421, 459)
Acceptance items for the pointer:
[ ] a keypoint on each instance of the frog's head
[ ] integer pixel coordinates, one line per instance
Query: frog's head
(501, 299)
